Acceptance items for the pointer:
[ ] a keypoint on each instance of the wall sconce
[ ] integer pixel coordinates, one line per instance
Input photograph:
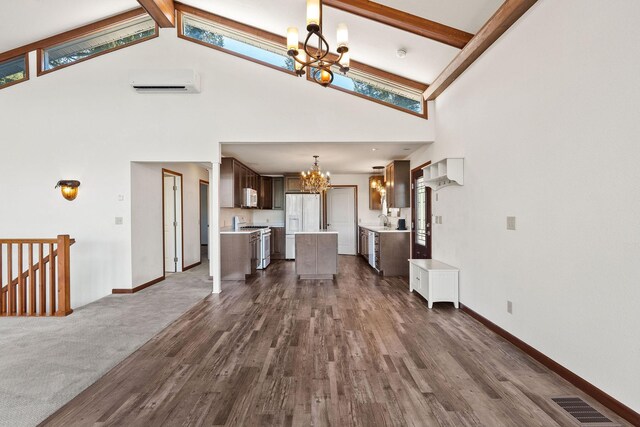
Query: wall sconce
(69, 189)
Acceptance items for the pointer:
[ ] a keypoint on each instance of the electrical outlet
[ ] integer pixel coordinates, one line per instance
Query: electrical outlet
(121, 197)
(119, 220)
(511, 223)
(509, 307)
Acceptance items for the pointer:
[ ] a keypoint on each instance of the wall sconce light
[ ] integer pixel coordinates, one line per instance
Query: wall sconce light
(69, 189)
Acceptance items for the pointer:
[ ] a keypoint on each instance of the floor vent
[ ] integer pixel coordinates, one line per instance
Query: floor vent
(584, 413)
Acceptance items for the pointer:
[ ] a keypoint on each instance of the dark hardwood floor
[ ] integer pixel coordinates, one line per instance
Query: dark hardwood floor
(360, 350)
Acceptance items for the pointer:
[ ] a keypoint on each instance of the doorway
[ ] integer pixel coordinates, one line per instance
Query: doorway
(204, 219)
(342, 213)
(172, 212)
(420, 215)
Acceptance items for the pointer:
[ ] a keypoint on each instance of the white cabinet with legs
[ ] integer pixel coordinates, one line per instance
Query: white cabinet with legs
(434, 280)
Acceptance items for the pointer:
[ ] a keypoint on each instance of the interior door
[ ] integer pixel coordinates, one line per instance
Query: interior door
(420, 216)
(170, 224)
(341, 217)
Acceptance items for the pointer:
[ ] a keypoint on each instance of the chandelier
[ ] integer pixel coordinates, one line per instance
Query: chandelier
(377, 180)
(314, 180)
(316, 60)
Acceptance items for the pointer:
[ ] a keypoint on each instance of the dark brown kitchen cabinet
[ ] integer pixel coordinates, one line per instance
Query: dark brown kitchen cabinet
(278, 242)
(265, 196)
(240, 254)
(292, 183)
(364, 242)
(398, 184)
(234, 177)
(277, 193)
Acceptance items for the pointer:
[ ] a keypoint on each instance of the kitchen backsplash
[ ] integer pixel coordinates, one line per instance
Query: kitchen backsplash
(266, 216)
(227, 214)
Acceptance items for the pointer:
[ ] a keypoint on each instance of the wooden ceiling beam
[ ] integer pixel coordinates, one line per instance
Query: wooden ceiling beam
(162, 11)
(403, 21)
(505, 17)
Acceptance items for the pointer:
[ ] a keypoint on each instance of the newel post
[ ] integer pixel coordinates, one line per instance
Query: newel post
(64, 275)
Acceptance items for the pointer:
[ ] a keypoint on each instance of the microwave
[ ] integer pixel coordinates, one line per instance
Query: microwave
(249, 198)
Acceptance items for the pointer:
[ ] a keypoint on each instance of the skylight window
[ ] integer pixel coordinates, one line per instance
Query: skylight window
(13, 71)
(380, 89)
(105, 40)
(269, 49)
(237, 42)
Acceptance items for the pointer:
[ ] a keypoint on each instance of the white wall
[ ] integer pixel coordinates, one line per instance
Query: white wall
(146, 217)
(84, 122)
(547, 123)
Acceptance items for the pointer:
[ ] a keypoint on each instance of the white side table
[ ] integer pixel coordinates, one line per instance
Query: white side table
(434, 280)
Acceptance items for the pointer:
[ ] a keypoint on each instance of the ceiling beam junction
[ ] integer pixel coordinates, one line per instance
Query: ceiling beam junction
(498, 24)
(162, 11)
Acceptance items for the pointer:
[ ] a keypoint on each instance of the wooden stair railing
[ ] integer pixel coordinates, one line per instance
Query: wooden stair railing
(43, 289)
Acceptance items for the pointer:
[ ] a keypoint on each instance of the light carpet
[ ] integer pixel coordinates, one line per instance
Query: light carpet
(45, 362)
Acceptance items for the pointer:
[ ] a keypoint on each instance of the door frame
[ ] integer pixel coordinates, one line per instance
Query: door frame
(355, 204)
(413, 210)
(174, 173)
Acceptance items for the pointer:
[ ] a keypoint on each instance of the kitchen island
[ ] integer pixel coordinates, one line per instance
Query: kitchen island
(316, 254)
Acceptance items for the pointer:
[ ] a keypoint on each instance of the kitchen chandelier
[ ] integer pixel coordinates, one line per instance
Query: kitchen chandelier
(317, 60)
(314, 180)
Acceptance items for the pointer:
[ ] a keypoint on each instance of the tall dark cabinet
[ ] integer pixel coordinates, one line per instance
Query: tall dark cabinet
(398, 184)
(277, 193)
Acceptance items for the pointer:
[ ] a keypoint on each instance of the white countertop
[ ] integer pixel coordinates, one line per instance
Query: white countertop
(381, 229)
(432, 264)
(230, 230)
(317, 232)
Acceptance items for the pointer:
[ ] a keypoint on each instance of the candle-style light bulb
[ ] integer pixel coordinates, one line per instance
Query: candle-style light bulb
(302, 56)
(313, 13)
(344, 61)
(292, 38)
(343, 35)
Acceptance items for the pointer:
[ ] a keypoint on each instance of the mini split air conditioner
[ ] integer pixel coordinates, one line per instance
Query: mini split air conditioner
(165, 81)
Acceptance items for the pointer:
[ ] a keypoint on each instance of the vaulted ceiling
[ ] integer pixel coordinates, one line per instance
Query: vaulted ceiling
(371, 42)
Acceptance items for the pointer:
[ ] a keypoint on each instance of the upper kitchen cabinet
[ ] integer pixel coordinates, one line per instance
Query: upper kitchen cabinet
(277, 192)
(234, 176)
(292, 183)
(398, 184)
(265, 195)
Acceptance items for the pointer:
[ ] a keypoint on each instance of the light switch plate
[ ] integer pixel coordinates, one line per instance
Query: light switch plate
(511, 223)
(509, 307)
(119, 220)
(436, 197)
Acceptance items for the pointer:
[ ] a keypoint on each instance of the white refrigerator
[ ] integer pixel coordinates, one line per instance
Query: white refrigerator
(303, 213)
